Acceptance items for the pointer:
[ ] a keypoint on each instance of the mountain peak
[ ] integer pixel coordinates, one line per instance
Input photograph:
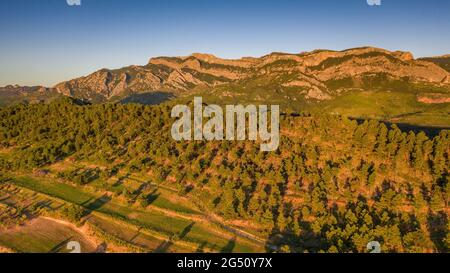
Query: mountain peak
(204, 56)
(314, 74)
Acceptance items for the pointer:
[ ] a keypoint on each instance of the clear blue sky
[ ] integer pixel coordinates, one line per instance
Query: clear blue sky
(43, 42)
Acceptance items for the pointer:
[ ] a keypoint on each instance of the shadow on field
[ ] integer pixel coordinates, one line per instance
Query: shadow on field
(57, 248)
(96, 204)
(121, 180)
(163, 247)
(228, 248)
(153, 196)
(149, 98)
(430, 131)
(201, 248)
(186, 230)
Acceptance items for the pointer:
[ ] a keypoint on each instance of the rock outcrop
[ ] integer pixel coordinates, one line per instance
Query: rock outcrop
(318, 75)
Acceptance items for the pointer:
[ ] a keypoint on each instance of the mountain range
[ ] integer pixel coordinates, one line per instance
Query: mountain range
(317, 79)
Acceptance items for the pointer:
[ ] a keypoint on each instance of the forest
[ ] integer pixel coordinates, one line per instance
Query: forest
(333, 185)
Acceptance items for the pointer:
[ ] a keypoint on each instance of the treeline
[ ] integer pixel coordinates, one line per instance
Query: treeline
(333, 185)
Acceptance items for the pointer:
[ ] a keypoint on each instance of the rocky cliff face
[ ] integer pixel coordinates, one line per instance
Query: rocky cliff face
(317, 75)
(312, 72)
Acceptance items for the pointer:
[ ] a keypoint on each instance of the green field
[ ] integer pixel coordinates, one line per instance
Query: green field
(154, 228)
(398, 107)
(394, 106)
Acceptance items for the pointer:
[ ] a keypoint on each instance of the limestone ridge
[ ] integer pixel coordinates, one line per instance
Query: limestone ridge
(318, 75)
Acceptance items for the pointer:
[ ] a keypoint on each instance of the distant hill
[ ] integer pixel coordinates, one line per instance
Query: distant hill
(13, 94)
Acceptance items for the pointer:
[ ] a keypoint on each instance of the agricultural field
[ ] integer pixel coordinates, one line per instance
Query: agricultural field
(45, 235)
(36, 208)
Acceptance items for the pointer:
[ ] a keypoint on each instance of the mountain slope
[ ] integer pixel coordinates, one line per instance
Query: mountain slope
(362, 82)
(318, 75)
(442, 61)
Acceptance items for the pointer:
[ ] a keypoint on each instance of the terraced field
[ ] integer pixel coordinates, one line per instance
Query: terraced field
(45, 235)
(168, 224)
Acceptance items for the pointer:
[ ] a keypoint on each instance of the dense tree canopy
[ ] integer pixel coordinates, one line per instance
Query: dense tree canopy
(333, 185)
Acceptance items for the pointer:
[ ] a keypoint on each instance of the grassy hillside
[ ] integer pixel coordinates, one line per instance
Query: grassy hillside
(395, 107)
